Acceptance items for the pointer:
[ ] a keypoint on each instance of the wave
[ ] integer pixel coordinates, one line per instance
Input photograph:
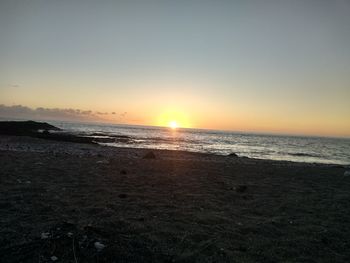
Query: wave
(304, 155)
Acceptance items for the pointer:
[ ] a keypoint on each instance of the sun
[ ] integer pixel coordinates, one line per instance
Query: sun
(173, 124)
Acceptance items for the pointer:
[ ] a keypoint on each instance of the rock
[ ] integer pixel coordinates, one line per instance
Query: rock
(99, 246)
(45, 235)
(24, 127)
(122, 196)
(54, 258)
(123, 172)
(233, 155)
(241, 188)
(149, 155)
(347, 173)
(103, 162)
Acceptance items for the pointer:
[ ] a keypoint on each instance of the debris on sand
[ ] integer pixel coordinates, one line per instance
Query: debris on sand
(45, 235)
(99, 246)
(149, 155)
(241, 188)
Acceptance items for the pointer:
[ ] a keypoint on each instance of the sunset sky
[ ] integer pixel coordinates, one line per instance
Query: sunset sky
(255, 66)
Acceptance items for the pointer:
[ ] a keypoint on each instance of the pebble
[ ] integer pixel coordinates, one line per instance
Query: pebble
(347, 173)
(54, 258)
(45, 235)
(103, 162)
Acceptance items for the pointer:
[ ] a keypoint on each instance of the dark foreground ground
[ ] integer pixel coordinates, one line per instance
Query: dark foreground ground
(58, 199)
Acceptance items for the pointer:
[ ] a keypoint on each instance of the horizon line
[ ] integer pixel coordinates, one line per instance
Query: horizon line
(183, 128)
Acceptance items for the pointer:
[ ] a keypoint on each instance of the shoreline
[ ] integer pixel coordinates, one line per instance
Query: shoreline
(98, 203)
(47, 131)
(19, 141)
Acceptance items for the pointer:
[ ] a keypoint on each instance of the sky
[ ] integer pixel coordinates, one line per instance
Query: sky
(253, 66)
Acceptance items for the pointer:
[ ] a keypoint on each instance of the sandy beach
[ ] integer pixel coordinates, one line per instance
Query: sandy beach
(70, 202)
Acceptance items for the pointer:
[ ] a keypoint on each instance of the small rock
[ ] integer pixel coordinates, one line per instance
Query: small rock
(45, 235)
(122, 196)
(233, 155)
(69, 234)
(28, 182)
(149, 155)
(347, 173)
(99, 246)
(103, 162)
(123, 172)
(241, 188)
(54, 258)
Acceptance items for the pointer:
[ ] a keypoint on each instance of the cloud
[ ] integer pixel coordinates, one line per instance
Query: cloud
(24, 112)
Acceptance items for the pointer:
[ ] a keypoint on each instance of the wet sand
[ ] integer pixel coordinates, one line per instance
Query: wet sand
(68, 202)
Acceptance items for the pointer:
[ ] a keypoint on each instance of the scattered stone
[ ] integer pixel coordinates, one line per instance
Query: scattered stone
(45, 235)
(149, 155)
(241, 188)
(233, 155)
(123, 172)
(122, 196)
(54, 258)
(99, 246)
(69, 234)
(347, 173)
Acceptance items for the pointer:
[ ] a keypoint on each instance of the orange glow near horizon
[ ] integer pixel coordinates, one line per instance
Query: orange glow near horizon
(173, 119)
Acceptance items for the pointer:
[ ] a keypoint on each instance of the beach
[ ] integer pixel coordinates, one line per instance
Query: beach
(75, 202)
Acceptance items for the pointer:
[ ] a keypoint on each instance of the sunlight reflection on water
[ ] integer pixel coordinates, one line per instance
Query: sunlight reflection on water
(290, 148)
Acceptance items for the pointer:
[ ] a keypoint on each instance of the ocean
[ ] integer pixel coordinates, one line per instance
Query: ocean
(262, 146)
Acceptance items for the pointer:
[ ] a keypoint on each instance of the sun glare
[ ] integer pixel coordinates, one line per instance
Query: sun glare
(173, 124)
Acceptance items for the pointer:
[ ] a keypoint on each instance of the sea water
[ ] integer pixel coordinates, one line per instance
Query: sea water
(263, 146)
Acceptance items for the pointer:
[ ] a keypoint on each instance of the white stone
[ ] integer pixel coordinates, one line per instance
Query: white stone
(45, 235)
(99, 246)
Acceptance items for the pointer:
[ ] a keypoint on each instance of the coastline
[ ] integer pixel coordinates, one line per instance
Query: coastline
(178, 207)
